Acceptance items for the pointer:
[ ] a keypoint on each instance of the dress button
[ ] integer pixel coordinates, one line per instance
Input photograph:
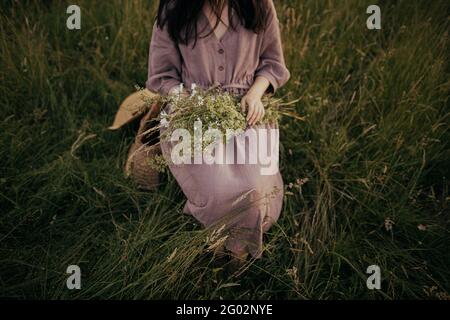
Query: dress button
(221, 68)
(221, 51)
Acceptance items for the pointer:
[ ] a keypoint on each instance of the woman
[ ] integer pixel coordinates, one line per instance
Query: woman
(234, 45)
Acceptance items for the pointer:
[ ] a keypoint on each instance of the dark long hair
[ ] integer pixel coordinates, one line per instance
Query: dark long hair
(181, 16)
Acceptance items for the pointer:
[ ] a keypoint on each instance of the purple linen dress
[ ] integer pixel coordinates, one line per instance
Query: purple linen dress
(240, 194)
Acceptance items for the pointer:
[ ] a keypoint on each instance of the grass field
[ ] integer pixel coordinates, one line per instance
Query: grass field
(372, 159)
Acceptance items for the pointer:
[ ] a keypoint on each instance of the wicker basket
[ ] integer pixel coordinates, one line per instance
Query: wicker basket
(137, 166)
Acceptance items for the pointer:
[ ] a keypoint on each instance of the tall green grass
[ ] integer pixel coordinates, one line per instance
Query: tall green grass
(373, 151)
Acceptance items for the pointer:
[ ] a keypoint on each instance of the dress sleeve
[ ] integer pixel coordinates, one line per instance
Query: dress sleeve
(164, 66)
(271, 62)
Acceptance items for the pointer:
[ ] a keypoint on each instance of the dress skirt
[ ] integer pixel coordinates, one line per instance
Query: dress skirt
(243, 197)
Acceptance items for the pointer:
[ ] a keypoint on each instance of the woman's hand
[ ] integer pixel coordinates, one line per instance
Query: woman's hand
(253, 105)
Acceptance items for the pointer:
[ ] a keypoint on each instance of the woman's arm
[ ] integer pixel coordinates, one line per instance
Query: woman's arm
(272, 65)
(164, 66)
(271, 73)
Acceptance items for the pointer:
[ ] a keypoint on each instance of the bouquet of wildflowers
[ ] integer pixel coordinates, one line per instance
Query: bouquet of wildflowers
(213, 109)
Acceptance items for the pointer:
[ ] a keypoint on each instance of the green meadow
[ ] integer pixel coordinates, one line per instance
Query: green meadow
(366, 172)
